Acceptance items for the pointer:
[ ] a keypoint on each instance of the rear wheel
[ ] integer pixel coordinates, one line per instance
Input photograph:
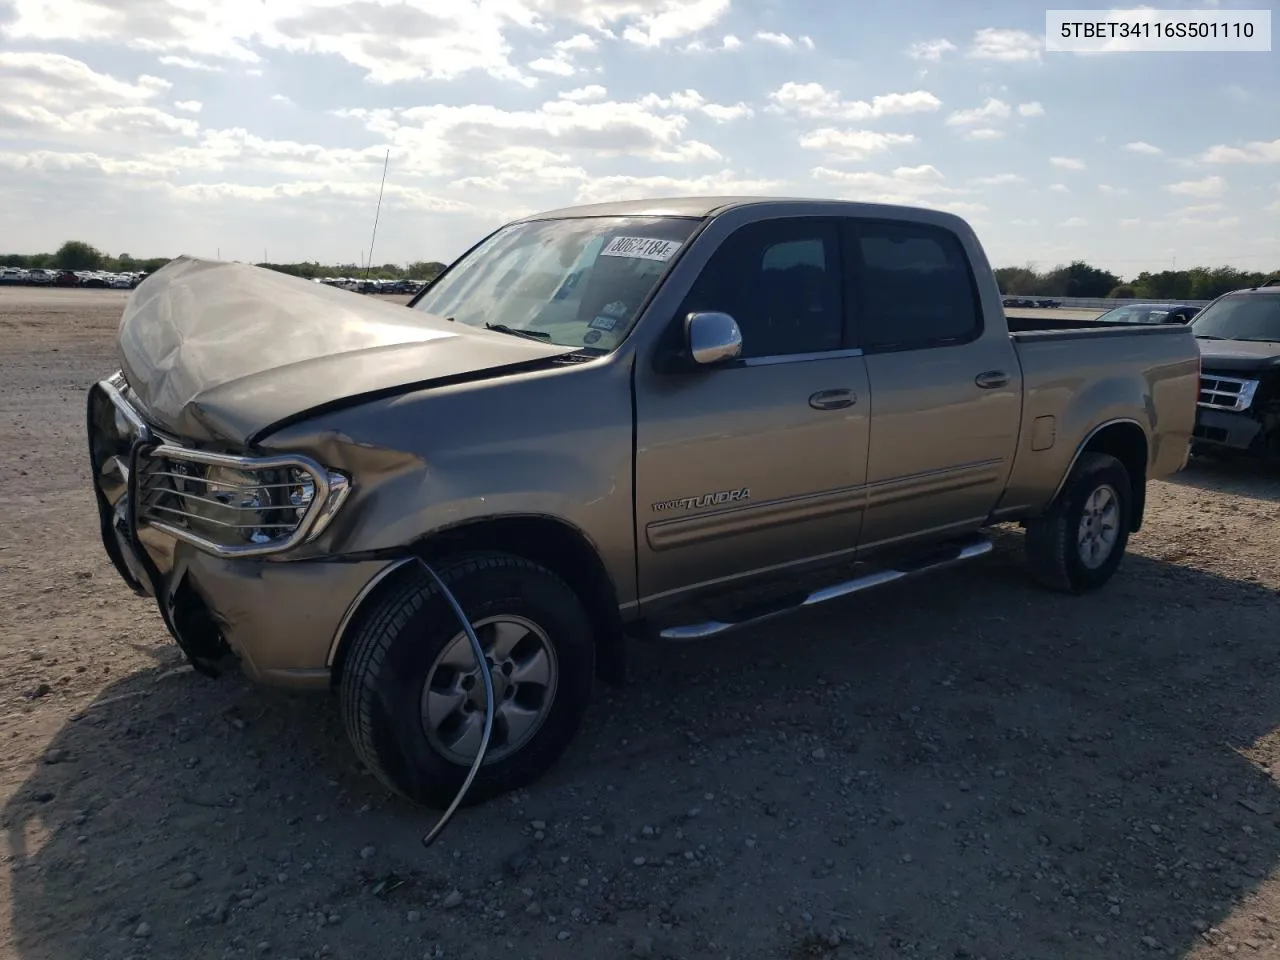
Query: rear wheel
(413, 698)
(1078, 543)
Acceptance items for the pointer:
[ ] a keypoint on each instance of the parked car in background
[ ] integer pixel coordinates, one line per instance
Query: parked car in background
(568, 426)
(1239, 404)
(1049, 303)
(10, 276)
(1021, 302)
(1150, 313)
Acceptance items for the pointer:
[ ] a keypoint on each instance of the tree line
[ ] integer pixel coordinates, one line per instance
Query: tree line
(1080, 279)
(1076, 279)
(78, 255)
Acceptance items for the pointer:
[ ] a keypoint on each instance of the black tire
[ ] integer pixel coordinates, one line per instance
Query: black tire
(1052, 549)
(399, 637)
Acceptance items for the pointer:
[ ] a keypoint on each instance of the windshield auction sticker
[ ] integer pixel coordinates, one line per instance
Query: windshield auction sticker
(642, 248)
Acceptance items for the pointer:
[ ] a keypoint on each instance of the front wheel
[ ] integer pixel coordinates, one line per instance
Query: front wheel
(413, 700)
(1078, 543)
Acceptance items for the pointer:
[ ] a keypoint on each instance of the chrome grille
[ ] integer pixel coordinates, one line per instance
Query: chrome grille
(233, 506)
(1219, 392)
(230, 506)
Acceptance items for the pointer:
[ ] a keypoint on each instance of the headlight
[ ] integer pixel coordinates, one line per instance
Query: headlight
(237, 506)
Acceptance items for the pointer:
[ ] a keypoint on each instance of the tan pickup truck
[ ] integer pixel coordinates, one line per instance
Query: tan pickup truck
(663, 419)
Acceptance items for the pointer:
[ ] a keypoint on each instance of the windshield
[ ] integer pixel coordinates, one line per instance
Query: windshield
(577, 282)
(1240, 316)
(1136, 314)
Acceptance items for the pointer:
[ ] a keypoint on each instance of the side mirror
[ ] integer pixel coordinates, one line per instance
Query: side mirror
(712, 338)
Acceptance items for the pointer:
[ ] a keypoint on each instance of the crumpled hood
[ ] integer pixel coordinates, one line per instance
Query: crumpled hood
(1239, 355)
(222, 351)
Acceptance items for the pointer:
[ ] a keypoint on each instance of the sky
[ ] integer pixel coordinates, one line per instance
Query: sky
(258, 129)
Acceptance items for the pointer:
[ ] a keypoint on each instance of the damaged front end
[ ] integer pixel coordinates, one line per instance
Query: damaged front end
(155, 496)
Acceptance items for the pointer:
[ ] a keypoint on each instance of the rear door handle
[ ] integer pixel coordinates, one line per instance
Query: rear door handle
(991, 379)
(833, 399)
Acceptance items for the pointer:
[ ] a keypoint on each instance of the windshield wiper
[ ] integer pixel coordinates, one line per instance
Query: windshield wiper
(527, 334)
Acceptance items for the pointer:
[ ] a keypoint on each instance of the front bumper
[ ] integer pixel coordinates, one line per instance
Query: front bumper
(1223, 429)
(282, 620)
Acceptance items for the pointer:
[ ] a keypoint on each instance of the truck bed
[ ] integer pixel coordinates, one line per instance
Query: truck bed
(1079, 373)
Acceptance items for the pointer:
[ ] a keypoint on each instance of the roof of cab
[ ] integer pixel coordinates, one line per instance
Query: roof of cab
(654, 207)
(703, 207)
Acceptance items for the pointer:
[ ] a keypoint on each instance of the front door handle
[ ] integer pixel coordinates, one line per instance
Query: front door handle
(833, 399)
(991, 379)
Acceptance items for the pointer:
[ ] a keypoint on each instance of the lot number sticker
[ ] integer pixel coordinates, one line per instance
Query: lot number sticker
(642, 248)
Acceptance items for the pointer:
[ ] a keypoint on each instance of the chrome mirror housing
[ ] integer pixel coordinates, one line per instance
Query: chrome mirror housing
(712, 338)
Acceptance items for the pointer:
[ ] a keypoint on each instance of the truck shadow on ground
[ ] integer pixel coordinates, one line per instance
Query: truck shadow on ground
(959, 766)
(1241, 478)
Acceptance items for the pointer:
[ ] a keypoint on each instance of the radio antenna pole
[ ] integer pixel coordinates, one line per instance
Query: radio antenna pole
(377, 213)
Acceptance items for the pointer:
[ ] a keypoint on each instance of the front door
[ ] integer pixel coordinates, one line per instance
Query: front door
(757, 463)
(946, 392)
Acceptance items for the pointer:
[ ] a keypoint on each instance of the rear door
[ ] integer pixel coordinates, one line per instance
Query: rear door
(758, 463)
(946, 391)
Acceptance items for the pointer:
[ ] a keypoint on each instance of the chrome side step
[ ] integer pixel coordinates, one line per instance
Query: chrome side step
(936, 561)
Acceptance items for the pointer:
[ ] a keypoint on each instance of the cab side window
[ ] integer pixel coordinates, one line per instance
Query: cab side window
(780, 280)
(914, 287)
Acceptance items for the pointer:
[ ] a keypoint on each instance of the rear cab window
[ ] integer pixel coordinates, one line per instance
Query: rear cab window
(913, 287)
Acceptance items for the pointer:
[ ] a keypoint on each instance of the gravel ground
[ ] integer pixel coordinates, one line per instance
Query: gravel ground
(994, 772)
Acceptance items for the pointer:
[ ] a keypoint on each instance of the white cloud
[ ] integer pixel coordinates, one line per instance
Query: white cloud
(1033, 109)
(560, 62)
(814, 101)
(585, 94)
(931, 50)
(998, 179)
(690, 101)
(1141, 146)
(1131, 222)
(784, 40)
(1258, 151)
(187, 63)
(729, 43)
(992, 109)
(1059, 188)
(514, 167)
(281, 98)
(629, 187)
(853, 144)
(440, 139)
(51, 96)
(189, 106)
(777, 39)
(1111, 191)
(1005, 45)
(1199, 223)
(1198, 209)
(658, 22)
(1208, 187)
(56, 80)
(984, 133)
(1067, 163)
(389, 42)
(1074, 222)
(904, 185)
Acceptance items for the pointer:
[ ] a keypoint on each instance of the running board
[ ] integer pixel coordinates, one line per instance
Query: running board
(936, 561)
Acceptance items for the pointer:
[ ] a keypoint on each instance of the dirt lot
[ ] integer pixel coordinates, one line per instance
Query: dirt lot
(966, 767)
